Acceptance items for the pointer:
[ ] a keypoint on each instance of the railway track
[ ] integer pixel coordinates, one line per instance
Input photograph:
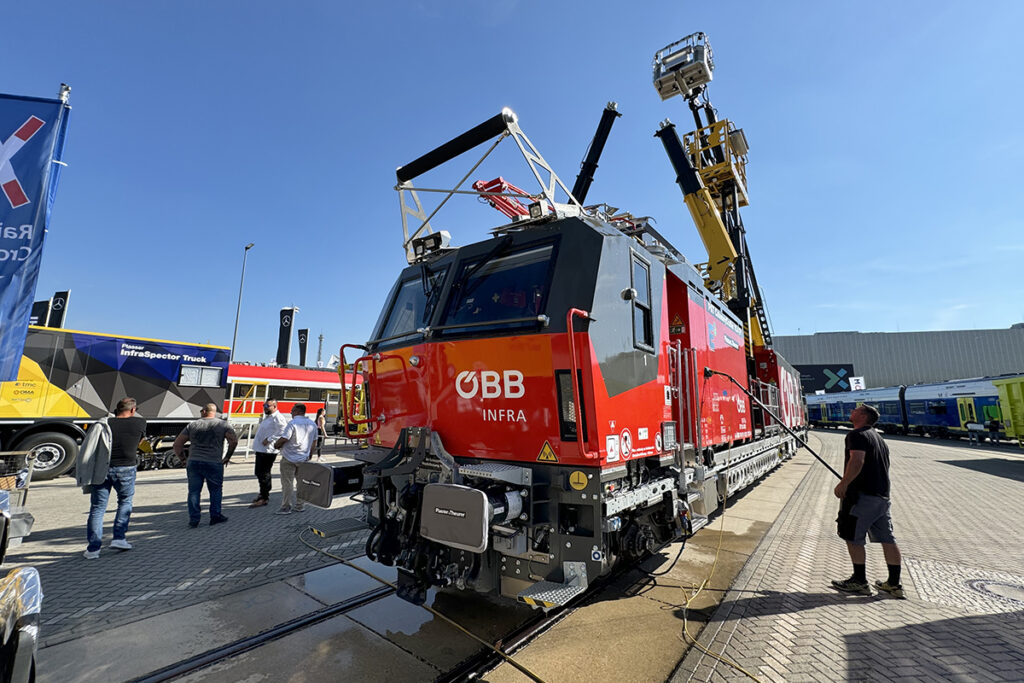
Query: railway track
(485, 660)
(218, 654)
(511, 642)
(478, 663)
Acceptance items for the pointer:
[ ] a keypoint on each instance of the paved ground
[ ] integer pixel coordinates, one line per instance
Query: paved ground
(171, 565)
(957, 513)
(632, 629)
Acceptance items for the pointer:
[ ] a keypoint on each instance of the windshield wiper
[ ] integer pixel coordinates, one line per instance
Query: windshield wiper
(498, 249)
(430, 289)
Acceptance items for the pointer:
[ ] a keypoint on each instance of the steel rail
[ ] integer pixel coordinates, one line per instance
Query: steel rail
(484, 660)
(210, 657)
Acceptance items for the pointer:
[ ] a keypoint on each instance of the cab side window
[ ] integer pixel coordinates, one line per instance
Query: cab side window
(643, 323)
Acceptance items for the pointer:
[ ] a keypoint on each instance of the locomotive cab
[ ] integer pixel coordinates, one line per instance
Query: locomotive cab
(548, 402)
(501, 476)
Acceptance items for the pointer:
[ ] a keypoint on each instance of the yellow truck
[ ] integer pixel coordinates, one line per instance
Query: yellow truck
(68, 379)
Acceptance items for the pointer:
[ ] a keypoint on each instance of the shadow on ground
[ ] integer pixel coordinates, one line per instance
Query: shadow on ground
(944, 649)
(957, 649)
(999, 467)
(767, 603)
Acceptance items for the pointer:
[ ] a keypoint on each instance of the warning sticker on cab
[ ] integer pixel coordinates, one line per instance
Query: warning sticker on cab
(611, 443)
(547, 454)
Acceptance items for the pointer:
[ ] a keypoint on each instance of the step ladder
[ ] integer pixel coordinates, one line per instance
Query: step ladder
(337, 527)
(549, 594)
(698, 522)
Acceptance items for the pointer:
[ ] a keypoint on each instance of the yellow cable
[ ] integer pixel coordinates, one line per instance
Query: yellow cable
(532, 676)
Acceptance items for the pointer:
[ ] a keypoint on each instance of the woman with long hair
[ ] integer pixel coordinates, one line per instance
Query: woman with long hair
(321, 431)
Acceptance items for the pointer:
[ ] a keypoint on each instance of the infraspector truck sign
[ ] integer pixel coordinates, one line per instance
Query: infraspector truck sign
(32, 134)
(73, 374)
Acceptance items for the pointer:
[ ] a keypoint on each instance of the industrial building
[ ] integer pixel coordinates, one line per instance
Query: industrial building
(891, 358)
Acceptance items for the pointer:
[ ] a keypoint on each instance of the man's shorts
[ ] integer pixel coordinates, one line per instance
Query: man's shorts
(869, 517)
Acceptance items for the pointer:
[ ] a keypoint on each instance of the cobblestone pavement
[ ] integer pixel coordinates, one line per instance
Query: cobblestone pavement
(171, 565)
(957, 515)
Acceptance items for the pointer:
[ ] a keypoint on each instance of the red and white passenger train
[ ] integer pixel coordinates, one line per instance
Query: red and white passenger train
(249, 386)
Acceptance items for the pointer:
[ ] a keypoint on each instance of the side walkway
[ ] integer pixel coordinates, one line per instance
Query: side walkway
(957, 515)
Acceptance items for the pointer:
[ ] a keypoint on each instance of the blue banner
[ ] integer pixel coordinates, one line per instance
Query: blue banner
(31, 141)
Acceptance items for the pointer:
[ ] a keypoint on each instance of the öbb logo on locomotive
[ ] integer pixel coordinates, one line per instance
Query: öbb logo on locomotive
(490, 384)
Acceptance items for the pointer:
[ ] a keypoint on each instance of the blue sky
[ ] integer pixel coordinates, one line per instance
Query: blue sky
(886, 151)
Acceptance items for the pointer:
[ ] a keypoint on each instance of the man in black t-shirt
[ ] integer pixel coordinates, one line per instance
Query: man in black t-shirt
(127, 430)
(864, 511)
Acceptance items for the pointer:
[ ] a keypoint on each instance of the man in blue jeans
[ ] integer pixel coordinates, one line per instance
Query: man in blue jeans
(206, 460)
(127, 430)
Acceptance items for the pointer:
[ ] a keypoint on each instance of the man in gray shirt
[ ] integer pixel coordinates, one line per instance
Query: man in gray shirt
(206, 460)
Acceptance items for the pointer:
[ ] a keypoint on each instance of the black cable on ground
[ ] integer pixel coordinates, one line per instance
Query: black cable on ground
(671, 566)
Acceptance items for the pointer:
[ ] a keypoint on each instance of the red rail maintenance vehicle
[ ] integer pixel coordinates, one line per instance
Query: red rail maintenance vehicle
(570, 392)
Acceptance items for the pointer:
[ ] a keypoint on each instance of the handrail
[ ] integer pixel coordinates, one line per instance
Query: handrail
(350, 394)
(584, 453)
(344, 388)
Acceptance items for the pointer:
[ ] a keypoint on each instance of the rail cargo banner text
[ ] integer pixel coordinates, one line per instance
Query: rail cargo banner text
(32, 134)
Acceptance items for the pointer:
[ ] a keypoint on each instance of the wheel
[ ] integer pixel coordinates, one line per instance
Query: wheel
(55, 454)
(172, 460)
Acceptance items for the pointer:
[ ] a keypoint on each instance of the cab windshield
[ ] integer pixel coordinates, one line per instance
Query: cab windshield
(506, 292)
(413, 305)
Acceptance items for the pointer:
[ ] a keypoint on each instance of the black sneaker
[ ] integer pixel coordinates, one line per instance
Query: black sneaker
(193, 525)
(851, 585)
(220, 519)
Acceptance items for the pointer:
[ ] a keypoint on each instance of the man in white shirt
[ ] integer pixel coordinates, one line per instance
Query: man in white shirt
(295, 443)
(271, 427)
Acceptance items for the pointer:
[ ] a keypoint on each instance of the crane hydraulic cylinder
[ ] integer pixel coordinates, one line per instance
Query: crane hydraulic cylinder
(722, 254)
(586, 176)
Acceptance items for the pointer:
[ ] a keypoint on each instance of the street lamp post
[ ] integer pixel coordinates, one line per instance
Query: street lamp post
(238, 311)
